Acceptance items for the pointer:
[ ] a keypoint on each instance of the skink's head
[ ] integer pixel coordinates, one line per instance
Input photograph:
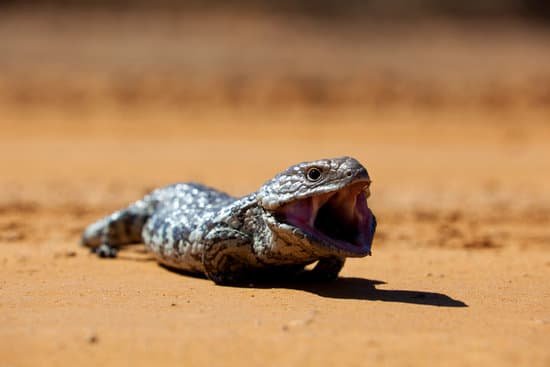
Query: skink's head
(324, 202)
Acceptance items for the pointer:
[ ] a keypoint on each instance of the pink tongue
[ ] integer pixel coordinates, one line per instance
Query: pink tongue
(366, 227)
(299, 212)
(361, 205)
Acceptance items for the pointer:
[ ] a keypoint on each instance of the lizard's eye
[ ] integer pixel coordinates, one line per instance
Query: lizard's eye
(313, 174)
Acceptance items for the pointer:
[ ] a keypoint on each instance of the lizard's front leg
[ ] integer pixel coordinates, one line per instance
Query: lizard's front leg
(227, 254)
(328, 268)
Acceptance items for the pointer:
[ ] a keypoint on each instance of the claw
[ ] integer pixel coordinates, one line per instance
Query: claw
(105, 251)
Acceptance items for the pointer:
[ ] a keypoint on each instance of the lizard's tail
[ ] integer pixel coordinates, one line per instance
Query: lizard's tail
(120, 228)
(92, 235)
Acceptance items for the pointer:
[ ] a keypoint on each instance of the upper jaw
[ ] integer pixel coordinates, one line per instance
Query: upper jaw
(339, 221)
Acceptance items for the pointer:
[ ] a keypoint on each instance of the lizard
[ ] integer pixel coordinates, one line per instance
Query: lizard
(312, 212)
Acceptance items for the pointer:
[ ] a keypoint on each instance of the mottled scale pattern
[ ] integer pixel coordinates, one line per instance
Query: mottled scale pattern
(201, 230)
(183, 213)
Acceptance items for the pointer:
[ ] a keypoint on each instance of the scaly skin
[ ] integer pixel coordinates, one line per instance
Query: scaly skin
(201, 230)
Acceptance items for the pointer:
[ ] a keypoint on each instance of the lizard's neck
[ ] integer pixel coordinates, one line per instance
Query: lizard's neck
(247, 216)
(240, 214)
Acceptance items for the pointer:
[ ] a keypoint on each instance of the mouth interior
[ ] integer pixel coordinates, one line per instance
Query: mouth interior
(341, 218)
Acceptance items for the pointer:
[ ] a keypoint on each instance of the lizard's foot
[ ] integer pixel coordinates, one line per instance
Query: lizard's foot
(228, 271)
(225, 278)
(224, 259)
(327, 269)
(105, 251)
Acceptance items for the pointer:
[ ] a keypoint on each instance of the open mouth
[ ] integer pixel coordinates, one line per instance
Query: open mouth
(340, 219)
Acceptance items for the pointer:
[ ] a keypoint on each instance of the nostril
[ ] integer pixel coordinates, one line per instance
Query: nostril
(349, 173)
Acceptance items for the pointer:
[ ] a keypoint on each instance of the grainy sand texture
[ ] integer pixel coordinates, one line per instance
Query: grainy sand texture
(453, 127)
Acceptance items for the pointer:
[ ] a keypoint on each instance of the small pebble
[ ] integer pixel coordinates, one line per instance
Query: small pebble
(303, 322)
(93, 339)
(65, 254)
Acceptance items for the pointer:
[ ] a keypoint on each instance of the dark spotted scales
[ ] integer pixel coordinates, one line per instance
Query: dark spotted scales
(198, 229)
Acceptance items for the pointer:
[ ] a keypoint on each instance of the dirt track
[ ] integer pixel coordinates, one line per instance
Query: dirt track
(459, 273)
(451, 121)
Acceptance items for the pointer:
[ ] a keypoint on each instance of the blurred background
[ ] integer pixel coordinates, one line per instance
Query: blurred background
(447, 103)
(440, 99)
(426, 53)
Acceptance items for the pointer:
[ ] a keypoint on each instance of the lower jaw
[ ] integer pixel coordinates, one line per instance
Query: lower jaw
(317, 243)
(361, 248)
(349, 250)
(336, 246)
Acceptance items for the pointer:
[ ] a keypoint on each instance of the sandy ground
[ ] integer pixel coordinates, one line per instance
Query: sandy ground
(459, 273)
(452, 123)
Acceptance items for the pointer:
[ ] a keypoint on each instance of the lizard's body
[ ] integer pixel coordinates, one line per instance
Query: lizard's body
(201, 230)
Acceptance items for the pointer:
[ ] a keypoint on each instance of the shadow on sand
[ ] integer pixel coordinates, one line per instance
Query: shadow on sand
(346, 288)
(365, 289)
